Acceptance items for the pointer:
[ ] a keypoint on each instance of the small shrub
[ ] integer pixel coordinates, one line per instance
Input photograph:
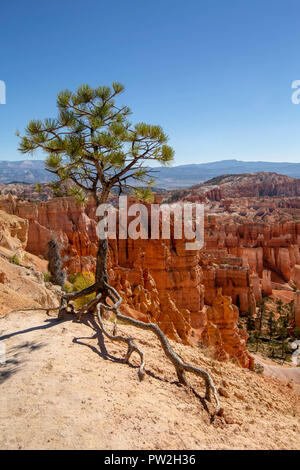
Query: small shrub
(47, 277)
(258, 368)
(15, 260)
(82, 281)
(68, 287)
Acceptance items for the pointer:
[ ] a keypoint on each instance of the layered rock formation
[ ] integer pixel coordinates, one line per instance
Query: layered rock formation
(251, 248)
(21, 278)
(260, 246)
(221, 270)
(73, 226)
(223, 333)
(159, 280)
(13, 231)
(251, 185)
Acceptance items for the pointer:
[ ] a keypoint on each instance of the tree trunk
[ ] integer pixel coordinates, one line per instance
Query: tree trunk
(101, 276)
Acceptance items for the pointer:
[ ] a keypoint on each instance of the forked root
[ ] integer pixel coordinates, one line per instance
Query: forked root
(132, 347)
(180, 366)
(97, 304)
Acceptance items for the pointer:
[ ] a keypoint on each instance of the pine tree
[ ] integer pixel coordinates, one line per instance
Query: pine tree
(92, 144)
(271, 324)
(38, 188)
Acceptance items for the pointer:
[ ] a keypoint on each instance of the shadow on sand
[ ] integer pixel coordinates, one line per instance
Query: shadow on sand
(104, 354)
(14, 356)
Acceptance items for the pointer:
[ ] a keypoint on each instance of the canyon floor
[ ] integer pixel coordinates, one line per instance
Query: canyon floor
(64, 387)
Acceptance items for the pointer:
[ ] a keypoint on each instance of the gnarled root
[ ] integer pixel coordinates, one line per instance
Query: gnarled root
(180, 366)
(97, 304)
(132, 347)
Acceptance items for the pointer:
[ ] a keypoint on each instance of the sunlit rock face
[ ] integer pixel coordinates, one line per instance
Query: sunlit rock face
(259, 245)
(223, 333)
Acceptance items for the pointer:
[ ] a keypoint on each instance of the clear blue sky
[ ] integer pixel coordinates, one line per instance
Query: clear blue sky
(216, 74)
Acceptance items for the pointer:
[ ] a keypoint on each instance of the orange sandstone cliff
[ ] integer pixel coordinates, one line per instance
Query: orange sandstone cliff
(159, 280)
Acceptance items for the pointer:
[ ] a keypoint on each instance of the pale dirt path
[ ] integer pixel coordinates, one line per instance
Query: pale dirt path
(64, 395)
(284, 373)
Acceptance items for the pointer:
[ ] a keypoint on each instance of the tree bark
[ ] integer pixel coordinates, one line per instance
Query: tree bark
(101, 276)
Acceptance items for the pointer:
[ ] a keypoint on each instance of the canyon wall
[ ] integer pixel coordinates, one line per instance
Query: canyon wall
(252, 240)
(223, 333)
(261, 246)
(159, 280)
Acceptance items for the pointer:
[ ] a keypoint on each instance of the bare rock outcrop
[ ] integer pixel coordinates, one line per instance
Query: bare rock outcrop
(223, 333)
(297, 309)
(235, 282)
(261, 246)
(13, 231)
(160, 280)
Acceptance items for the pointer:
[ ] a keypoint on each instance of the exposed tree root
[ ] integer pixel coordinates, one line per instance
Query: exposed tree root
(132, 347)
(180, 366)
(97, 304)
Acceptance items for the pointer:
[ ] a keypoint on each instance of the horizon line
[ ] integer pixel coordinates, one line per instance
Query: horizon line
(178, 164)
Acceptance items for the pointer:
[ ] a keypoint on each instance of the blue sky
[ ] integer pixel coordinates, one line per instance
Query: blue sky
(215, 74)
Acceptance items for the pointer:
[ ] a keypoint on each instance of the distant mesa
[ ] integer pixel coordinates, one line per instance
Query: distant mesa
(180, 176)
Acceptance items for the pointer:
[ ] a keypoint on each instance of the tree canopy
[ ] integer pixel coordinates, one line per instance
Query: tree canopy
(92, 143)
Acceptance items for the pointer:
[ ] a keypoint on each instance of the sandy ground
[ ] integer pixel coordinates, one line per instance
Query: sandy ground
(63, 388)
